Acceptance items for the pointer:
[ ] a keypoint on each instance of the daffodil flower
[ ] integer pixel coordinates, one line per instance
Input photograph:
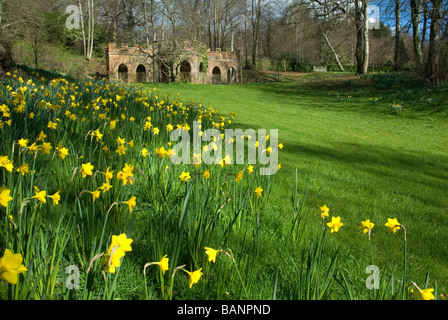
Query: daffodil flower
(366, 226)
(123, 242)
(55, 197)
(258, 191)
(195, 276)
(323, 211)
(40, 195)
(4, 196)
(86, 169)
(164, 263)
(239, 176)
(131, 203)
(335, 224)
(11, 266)
(211, 253)
(185, 176)
(393, 225)
(425, 294)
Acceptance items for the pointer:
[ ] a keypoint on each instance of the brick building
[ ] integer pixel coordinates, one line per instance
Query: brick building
(139, 64)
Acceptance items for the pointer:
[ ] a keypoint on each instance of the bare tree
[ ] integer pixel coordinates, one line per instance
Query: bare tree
(397, 56)
(416, 8)
(433, 72)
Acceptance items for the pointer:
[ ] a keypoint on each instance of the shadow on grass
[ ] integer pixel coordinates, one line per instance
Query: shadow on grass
(397, 167)
(339, 90)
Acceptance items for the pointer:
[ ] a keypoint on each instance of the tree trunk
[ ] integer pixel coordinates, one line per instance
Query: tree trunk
(366, 53)
(83, 29)
(256, 16)
(397, 56)
(415, 18)
(335, 54)
(434, 42)
(425, 23)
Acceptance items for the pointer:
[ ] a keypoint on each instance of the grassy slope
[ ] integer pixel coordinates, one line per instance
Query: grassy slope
(370, 163)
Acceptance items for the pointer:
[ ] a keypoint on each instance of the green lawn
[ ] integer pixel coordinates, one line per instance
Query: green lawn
(357, 156)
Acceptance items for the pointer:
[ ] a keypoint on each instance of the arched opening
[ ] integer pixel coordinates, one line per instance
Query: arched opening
(164, 73)
(185, 71)
(201, 67)
(216, 75)
(231, 75)
(141, 73)
(123, 73)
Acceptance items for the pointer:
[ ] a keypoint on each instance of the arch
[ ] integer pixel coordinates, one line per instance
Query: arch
(231, 75)
(123, 73)
(141, 73)
(216, 72)
(164, 73)
(201, 67)
(185, 71)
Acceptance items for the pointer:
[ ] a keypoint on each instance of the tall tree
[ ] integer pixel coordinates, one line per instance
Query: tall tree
(397, 56)
(416, 8)
(433, 69)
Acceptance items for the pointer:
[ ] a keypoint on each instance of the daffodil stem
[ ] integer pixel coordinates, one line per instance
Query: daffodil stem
(404, 267)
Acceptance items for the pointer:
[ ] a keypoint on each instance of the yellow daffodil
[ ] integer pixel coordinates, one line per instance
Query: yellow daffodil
(239, 176)
(131, 203)
(109, 174)
(185, 176)
(323, 211)
(258, 191)
(145, 152)
(4, 196)
(250, 169)
(86, 169)
(6, 163)
(126, 175)
(52, 125)
(206, 174)
(366, 226)
(393, 225)
(425, 294)
(41, 136)
(121, 150)
(34, 148)
(160, 152)
(195, 276)
(105, 187)
(164, 263)
(55, 197)
(23, 142)
(95, 194)
(46, 147)
(211, 253)
(111, 259)
(123, 242)
(11, 266)
(40, 195)
(23, 169)
(335, 224)
(62, 152)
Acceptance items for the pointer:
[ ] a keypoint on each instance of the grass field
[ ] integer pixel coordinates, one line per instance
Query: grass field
(359, 153)
(87, 184)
